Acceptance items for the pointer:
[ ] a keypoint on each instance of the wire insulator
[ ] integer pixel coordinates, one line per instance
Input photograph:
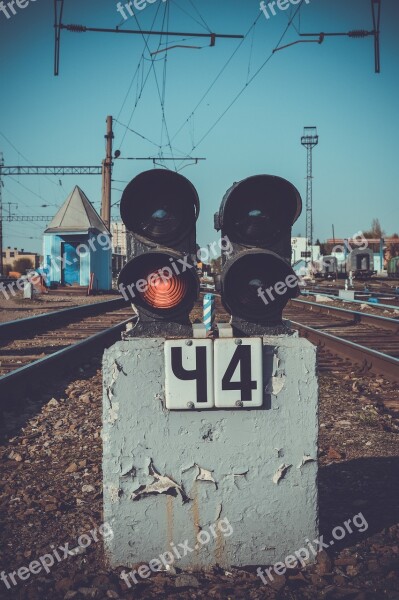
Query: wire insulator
(78, 28)
(358, 33)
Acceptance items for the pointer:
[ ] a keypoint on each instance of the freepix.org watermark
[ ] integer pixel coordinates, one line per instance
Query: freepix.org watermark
(59, 553)
(8, 8)
(270, 9)
(101, 241)
(126, 10)
(312, 549)
(280, 288)
(175, 267)
(177, 552)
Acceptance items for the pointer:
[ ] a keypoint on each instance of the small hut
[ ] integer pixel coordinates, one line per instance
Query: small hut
(77, 245)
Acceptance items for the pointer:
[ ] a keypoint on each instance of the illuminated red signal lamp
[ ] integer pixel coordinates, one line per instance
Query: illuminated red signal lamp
(160, 209)
(159, 284)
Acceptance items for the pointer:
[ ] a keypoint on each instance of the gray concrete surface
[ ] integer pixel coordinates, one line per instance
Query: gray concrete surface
(251, 475)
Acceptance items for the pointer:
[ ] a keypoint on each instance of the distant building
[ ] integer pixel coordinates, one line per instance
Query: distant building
(77, 245)
(118, 231)
(299, 251)
(119, 247)
(10, 255)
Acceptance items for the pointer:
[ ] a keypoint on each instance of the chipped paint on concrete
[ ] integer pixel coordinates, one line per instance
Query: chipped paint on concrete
(276, 385)
(202, 474)
(161, 484)
(113, 492)
(238, 448)
(205, 475)
(305, 460)
(281, 473)
(113, 413)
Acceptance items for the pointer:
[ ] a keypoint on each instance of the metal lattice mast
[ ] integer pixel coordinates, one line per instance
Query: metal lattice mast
(309, 140)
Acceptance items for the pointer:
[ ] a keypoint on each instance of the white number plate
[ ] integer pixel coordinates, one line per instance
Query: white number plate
(189, 374)
(238, 373)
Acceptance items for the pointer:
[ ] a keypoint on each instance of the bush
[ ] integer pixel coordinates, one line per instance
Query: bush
(22, 265)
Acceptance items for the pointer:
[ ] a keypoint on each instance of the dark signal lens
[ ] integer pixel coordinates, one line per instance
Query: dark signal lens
(255, 285)
(254, 223)
(258, 209)
(160, 206)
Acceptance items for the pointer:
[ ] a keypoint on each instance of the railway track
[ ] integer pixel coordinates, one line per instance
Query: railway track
(343, 301)
(369, 341)
(37, 348)
(41, 346)
(347, 340)
(386, 295)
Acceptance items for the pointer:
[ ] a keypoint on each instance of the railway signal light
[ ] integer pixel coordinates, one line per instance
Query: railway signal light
(257, 280)
(160, 209)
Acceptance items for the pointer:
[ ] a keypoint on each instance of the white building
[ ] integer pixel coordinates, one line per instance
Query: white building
(118, 232)
(299, 250)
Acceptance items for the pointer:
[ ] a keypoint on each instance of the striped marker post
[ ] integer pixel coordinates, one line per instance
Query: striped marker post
(209, 311)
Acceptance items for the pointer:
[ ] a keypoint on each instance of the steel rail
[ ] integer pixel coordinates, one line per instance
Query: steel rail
(378, 306)
(370, 360)
(386, 323)
(20, 380)
(28, 325)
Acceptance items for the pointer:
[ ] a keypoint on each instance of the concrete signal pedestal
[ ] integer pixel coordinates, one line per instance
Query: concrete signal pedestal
(198, 488)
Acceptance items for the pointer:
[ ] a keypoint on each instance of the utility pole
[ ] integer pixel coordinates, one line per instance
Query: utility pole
(107, 175)
(1, 216)
(309, 140)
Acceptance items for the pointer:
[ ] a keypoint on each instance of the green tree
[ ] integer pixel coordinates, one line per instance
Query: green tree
(394, 246)
(375, 232)
(21, 265)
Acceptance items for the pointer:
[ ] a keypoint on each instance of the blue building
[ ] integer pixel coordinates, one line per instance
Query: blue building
(77, 245)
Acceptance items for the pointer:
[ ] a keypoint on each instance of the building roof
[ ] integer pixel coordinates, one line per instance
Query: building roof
(76, 214)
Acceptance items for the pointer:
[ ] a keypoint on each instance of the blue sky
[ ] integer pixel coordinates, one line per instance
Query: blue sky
(61, 120)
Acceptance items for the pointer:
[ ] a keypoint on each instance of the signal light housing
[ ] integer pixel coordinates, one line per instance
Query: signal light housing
(160, 209)
(257, 280)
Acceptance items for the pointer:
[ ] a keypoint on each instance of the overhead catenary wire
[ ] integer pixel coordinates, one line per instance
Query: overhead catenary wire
(201, 23)
(161, 95)
(27, 189)
(25, 158)
(140, 64)
(210, 87)
(200, 16)
(257, 72)
(250, 53)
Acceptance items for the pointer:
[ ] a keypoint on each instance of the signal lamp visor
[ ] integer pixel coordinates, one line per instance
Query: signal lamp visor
(255, 286)
(151, 282)
(257, 210)
(160, 206)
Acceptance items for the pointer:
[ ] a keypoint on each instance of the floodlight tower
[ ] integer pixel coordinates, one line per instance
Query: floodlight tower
(309, 140)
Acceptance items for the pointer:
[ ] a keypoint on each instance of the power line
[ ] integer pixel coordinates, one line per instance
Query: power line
(249, 82)
(216, 78)
(202, 24)
(59, 26)
(161, 96)
(137, 68)
(355, 33)
(24, 157)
